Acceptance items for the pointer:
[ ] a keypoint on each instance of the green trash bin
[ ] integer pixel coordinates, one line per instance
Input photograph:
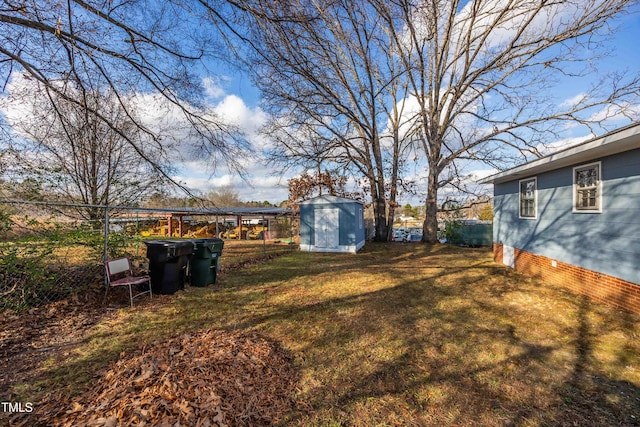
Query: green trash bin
(205, 261)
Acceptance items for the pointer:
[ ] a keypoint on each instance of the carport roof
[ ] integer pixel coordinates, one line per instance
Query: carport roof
(244, 211)
(228, 211)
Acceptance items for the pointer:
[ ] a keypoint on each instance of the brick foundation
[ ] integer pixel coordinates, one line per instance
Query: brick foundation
(497, 252)
(600, 287)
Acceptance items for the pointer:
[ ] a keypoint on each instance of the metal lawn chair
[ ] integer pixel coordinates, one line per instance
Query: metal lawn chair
(119, 273)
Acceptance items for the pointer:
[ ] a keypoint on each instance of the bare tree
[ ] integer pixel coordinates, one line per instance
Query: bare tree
(473, 79)
(224, 196)
(129, 47)
(480, 74)
(329, 77)
(74, 155)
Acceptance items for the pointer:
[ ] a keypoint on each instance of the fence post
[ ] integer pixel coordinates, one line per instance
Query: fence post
(106, 247)
(137, 233)
(106, 233)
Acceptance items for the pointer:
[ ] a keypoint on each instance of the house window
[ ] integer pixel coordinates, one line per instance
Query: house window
(528, 198)
(587, 188)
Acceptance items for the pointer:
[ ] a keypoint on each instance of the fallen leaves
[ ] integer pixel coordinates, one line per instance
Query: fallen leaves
(210, 378)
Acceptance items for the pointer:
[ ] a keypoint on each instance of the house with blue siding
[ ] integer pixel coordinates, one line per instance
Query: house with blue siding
(573, 218)
(331, 224)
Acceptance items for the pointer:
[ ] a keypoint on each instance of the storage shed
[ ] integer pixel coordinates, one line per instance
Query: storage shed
(331, 224)
(573, 219)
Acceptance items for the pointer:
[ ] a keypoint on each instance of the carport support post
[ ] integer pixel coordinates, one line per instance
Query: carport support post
(291, 231)
(264, 238)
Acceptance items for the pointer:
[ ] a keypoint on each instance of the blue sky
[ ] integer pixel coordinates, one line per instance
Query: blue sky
(235, 95)
(231, 94)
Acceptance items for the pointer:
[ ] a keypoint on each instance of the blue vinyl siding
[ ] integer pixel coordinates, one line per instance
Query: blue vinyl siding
(307, 218)
(347, 220)
(351, 224)
(607, 242)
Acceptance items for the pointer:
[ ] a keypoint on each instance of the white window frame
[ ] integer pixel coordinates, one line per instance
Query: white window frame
(598, 188)
(535, 198)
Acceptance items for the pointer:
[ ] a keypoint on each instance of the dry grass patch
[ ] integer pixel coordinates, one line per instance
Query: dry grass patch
(408, 335)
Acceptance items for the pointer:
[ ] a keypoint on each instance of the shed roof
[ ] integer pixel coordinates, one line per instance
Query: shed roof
(618, 141)
(329, 199)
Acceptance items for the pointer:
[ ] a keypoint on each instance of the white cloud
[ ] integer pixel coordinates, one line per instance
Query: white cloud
(574, 100)
(255, 188)
(158, 114)
(546, 149)
(614, 112)
(212, 89)
(18, 105)
(259, 184)
(233, 110)
(506, 19)
(479, 174)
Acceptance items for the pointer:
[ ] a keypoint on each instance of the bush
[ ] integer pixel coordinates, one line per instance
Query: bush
(48, 263)
(25, 277)
(453, 232)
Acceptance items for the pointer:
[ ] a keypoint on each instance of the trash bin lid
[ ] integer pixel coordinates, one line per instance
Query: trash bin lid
(213, 244)
(170, 248)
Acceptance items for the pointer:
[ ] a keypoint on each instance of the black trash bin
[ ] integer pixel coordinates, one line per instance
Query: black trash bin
(205, 262)
(168, 260)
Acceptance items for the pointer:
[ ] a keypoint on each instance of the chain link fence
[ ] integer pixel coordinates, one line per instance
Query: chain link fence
(54, 251)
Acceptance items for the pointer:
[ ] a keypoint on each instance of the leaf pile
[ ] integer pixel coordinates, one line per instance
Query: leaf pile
(211, 378)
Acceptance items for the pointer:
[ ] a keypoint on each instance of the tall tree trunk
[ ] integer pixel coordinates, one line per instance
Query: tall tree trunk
(382, 229)
(430, 227)
(379, 212)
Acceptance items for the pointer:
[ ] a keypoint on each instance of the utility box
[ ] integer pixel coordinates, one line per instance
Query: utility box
(472, 234)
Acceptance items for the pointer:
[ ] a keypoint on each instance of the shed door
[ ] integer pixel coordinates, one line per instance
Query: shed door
(327, 228)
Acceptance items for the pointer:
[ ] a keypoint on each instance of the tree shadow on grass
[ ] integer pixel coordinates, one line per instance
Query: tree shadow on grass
(480, 364)
(465, 354)
(588, 397)
(469, 344)
(435, 379)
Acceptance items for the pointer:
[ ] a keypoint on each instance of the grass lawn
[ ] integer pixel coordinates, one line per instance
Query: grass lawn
(398, 334)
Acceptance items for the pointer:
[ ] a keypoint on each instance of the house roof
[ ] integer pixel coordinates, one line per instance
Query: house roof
(618, 141)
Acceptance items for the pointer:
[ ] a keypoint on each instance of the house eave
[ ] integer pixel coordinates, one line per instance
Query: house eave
(621, 140)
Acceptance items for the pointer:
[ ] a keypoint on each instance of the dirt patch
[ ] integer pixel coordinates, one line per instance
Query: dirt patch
(29, 338)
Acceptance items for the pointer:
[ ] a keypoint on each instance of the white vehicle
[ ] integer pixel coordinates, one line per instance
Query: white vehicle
(399, 235)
